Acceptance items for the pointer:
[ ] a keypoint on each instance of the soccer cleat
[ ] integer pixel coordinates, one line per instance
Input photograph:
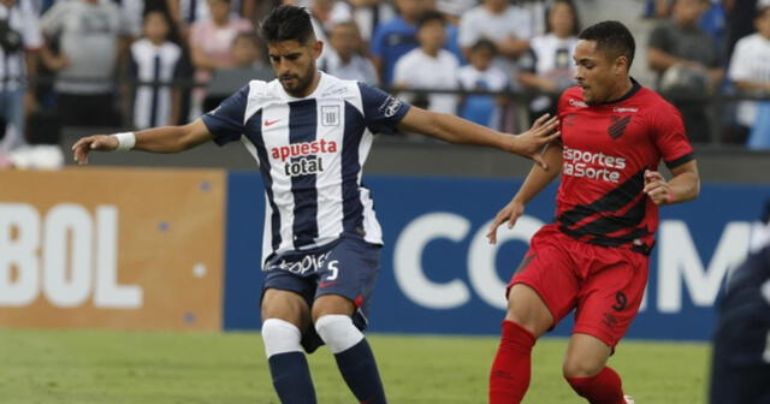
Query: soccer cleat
(629, 399)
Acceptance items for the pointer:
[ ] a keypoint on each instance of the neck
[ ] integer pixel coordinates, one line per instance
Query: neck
(430, 51)
(621, 89)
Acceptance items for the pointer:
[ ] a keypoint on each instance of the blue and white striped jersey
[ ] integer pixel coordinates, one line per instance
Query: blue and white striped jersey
(310, 153)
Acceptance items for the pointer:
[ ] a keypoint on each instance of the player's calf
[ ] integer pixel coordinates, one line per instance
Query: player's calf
(353, 355)
(288, 365)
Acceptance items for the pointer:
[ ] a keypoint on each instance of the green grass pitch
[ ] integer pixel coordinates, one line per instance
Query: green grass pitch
(152, 367)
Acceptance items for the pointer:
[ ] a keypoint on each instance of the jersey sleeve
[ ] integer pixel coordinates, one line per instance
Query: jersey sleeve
(382, 111)
(225, 122)
(670, 137)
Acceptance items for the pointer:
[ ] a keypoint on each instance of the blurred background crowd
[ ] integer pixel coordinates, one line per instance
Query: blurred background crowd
(133, 64)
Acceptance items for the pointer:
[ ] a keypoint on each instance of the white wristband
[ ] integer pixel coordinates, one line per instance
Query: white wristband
(126, 140)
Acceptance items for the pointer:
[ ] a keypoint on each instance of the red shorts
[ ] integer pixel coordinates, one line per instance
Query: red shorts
(605, 284)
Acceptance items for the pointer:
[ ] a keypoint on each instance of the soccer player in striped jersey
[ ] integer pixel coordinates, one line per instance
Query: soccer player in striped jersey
(594, 258)
(310, 134)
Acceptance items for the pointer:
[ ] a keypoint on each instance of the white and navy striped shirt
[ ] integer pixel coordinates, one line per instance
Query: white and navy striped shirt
(310, 152)
(149, 64)
(22, 18)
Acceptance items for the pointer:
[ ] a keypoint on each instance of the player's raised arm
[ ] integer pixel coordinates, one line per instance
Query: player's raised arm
(457, 130)
(536, 180)
(165, 139)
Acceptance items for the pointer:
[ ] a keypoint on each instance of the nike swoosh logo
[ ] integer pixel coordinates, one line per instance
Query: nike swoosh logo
(269, 123)
(326, 284)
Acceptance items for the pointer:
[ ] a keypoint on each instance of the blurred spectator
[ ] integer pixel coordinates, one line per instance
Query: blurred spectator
(87, 33)
(343, 58)
(324, 15)
(454, 9)
(750, 71)
(687, 63)
(480, 74)
(154, 59)
(430, 67)
(210, 45)
(657, 8)
(509, 26)
(185, 13)
(740, 18)
(247, 65)
(395, 38)
(368, 14)
(549, 67)
(20, 40)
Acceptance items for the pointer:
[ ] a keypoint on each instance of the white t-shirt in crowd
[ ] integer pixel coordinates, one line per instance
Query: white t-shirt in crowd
(419, 70)
(750, 62)
(479, 23)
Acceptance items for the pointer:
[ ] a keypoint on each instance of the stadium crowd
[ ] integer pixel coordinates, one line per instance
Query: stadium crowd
(500, 63)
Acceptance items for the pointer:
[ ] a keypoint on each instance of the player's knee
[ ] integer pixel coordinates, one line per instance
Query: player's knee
(581, 367)
(338, 332)
(526, 309)
(280, 336)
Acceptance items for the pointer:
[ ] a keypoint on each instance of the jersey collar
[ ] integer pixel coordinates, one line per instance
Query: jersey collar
(635, 87)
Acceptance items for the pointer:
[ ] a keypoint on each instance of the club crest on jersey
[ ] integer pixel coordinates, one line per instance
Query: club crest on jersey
(330, 115)
(618, 126)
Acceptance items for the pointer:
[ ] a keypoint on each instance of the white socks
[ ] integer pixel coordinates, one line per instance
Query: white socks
(338, 332)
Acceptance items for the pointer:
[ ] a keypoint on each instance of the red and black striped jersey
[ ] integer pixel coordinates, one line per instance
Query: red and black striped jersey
(607, 148)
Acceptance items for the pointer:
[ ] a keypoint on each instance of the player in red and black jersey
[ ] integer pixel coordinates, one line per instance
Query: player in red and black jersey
(594, 257)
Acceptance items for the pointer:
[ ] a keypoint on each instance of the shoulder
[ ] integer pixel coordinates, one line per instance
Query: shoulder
(657, 109)
(172, 49)
(474, 13)
(446, 56)
(410, 57)
(141, 47)
(573, 96)
(541, 40)
(748, 41)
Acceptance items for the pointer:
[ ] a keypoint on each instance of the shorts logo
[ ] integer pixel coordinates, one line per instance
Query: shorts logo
(330, 115)
(621, 301)
(618, 126)
(308, 263)
(609, 320)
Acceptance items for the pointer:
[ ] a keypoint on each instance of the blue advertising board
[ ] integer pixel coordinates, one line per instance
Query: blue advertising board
(439, 274)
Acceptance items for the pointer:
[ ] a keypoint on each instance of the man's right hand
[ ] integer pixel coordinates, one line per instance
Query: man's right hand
(530, 143)
(510, 213)
(96, 142)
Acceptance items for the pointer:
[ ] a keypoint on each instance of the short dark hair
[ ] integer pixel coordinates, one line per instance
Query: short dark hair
(430, 16)
(287, 23)
(612, 37)
(484, 44)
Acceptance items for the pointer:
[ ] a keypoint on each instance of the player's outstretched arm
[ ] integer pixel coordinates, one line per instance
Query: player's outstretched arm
(165, 139)
(453, 129)
(536, 180)
(683, 186)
